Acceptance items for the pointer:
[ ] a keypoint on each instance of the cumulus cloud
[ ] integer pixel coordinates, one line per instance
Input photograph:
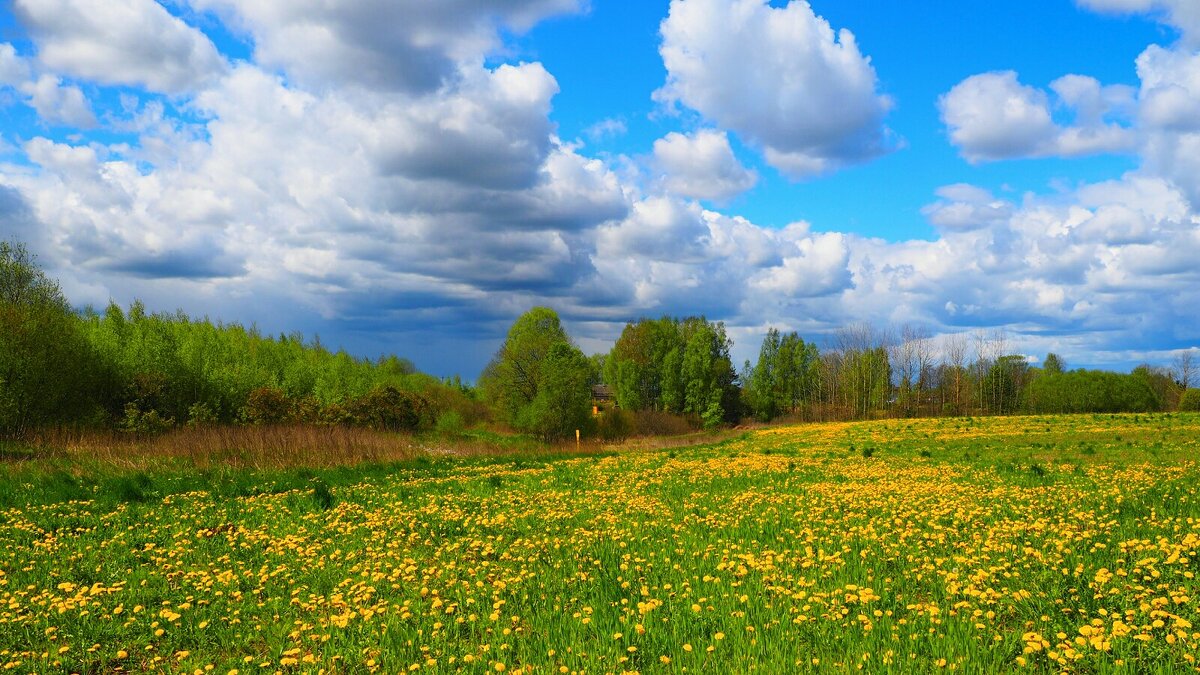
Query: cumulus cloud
(993, 116)
(674, 256)
(1183, 14)
(781, 78)
(58, 103)
(701, 165)
(405, 45)
(13, 69)
(966, 207)
(129, 42)
(441, 203)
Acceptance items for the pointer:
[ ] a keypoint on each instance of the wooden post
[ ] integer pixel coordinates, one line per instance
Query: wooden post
(576, 439)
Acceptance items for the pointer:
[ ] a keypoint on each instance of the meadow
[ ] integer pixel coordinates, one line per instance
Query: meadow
(1003, 544)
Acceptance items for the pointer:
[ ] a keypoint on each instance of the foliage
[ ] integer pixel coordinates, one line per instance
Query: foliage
(387, 408)
(148, 422)
(144, 372)
(1190, 400)
(1005, 383)
(784, 377)
(48, 373)
(1089, 391)
(615, 425)
(681, 366)
(267, 405)
(538, 380)
(450, 423)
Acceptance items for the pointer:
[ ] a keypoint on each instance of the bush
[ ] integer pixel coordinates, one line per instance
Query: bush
(450, 423)
(267, 405)
(149, 422)
(201, 415)
(614, 425)
(389, 409)
(1084, 391)
(659, 423)
(1190, 400)
(335, 415)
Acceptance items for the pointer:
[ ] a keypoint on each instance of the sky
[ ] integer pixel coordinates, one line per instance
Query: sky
(407, 177)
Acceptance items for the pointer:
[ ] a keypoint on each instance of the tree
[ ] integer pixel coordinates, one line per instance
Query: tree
(563, 401)
(763, 380)
(47, 373)
(539, 380)
(1091, 391)
(1053, 365)
(863, 371)
(954, 356)
(1190, 401)
(1005, 383)
(1184, 367)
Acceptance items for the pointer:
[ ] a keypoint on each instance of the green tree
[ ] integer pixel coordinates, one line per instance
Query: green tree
(538, 380)
(563, 401)
(1091, 391)
(1005, 382)
(1053, 365)
(765, 381)
(1190, 401)
(48, 373)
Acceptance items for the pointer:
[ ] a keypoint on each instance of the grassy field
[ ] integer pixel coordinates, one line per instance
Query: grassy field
(982, 545)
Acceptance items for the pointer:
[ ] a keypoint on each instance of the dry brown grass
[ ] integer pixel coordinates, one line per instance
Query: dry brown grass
(295, 446)
(259, 447)
(678, 441)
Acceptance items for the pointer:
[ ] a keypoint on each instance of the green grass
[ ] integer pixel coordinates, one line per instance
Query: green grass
(981, 541)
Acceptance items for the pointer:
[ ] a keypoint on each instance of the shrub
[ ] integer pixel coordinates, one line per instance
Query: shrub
(149, 422)
(450, 423)
(1190, 400)
(307, 410)
(201, 415)
(267, 405)
(659, 423)
(335, 415)
(614, 425)
(389, 409)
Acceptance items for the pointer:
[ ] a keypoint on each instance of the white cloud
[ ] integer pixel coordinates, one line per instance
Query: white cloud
(402, 45)
(1170, 91)
(59, 104)
(1170, 115)
(1183, 14)
(130, 42)
(319, 203)
(966, 207)
(993, 116)
(13, 69)
(701, 165)
(610, 127)
(780, 78)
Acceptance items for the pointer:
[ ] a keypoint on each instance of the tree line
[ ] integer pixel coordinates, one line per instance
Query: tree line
(147, 372)
(868, 372)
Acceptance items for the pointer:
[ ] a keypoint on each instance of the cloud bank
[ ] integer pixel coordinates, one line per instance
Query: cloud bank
(406, 186)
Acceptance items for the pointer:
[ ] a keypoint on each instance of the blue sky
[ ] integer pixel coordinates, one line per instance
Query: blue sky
(404, 177)
(919, 50)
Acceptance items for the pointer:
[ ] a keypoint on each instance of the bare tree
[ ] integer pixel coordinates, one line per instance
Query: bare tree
(979, 339)
(1183, 367)
(954, 354)
(924, 353)
(903, 356)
